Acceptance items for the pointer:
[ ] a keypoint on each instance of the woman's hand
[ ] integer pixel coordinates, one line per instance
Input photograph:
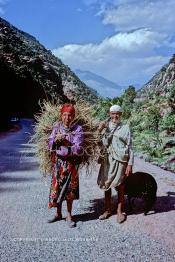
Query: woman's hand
(59, 137)
(66, 142)
(128, 171)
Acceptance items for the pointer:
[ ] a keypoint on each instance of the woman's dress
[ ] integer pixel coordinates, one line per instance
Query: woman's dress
(66, 160)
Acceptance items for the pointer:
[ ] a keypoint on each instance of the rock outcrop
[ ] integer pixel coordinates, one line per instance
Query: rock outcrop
(161, 83)
(30, 73)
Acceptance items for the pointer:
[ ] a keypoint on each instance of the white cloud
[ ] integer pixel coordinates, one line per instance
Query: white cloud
(135, 41)
(144, 28)
(124, 58)
(157, 15)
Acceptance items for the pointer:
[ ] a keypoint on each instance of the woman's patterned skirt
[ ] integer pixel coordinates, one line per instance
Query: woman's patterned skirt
(64, 182)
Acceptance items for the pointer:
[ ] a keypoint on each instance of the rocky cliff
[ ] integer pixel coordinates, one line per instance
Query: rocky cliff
(161, 84)
(153, 118)
(31, 73)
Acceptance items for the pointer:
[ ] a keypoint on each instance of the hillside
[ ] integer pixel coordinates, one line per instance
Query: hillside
(30, 72)
(161, 83)
(153, 118)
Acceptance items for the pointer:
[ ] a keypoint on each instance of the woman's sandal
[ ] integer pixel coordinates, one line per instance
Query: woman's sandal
(121, 218)
(70, 223)
(105, 215)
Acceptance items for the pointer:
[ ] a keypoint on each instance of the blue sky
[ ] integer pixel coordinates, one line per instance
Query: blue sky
(125, 41)
(56, 22)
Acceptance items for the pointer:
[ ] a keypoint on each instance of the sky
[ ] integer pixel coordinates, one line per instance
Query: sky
(125, 41)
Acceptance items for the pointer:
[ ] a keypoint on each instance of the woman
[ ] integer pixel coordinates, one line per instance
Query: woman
(117, 162)
(66, 141)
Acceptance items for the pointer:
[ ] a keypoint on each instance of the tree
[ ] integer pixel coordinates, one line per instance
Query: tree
(128, 101)
(129, 95)
(153, 118)
(117, 101)
(102, 107)
(168, 123)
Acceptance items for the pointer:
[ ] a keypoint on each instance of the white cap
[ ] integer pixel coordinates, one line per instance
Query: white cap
(115, 108)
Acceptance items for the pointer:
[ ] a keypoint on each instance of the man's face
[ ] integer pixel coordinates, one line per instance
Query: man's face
(115, 116)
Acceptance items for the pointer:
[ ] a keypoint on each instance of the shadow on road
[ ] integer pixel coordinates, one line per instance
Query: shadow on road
(163, 204)
(16, 159)
(19, 158)
(16, 153)
(10, 190)
(95, 210)
(4, 179)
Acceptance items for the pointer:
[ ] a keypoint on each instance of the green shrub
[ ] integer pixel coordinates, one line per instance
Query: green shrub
(168, 123)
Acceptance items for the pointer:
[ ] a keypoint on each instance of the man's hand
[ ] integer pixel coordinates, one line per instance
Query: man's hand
(128, 171)
(102, 125)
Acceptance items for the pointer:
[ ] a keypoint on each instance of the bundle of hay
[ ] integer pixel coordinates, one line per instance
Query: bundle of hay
(50, 113)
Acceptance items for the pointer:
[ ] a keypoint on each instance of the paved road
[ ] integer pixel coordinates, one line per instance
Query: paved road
(26, 235)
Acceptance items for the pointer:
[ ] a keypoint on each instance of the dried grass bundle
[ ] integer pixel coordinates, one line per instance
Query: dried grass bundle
(50, 113)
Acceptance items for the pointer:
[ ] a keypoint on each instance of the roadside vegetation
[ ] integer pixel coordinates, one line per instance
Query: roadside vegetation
(152, 122)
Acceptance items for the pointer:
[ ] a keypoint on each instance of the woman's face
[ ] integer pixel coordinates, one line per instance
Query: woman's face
(67, 118)
(115, 116)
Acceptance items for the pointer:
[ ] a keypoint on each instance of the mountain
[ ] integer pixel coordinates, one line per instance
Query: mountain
(161, 83)
(30, 73)
(104, 87)
(153, 118)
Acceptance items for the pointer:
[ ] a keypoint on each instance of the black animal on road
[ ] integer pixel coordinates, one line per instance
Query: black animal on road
(141, 185)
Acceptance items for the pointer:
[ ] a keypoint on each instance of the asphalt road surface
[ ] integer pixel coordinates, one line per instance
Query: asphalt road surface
(25, 234)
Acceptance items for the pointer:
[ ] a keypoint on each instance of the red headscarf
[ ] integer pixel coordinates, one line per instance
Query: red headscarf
(68, 108)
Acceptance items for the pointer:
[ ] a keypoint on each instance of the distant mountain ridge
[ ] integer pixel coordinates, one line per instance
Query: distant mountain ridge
(104, 87)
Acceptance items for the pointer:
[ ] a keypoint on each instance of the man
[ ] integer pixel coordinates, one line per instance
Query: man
(117, 162)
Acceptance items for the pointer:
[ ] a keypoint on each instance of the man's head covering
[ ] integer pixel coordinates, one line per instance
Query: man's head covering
(68, 108)
(115, 108)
